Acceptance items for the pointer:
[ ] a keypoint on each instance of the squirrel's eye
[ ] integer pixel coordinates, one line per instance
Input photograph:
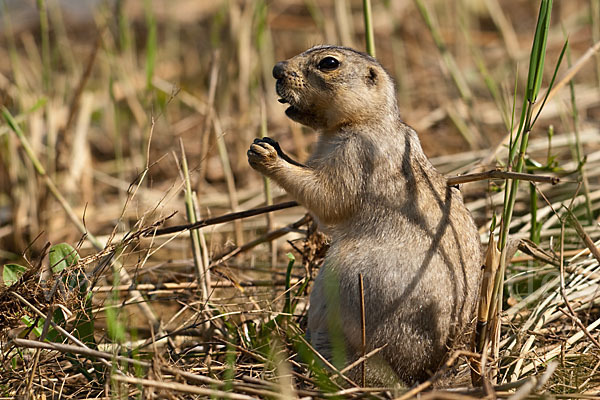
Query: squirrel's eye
(328, 64)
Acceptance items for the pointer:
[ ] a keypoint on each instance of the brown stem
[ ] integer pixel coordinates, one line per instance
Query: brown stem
(223, 218)
(498, 174)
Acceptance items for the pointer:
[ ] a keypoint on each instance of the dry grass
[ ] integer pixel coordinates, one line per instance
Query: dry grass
(108, 102)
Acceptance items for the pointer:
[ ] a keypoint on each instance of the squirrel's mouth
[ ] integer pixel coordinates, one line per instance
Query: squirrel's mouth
(292, 110)
(285, 94)
(295, 111)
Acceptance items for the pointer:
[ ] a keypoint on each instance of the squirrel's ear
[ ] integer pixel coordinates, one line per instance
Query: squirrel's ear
(372, 77)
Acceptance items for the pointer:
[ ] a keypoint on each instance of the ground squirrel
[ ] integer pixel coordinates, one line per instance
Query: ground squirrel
(390, 215)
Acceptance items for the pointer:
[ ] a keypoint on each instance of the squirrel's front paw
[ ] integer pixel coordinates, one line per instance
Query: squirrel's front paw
(263, 156)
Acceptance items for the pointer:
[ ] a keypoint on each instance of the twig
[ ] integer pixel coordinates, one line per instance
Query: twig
(589, 243)
(496, 388)
(267, 237)
(571, 313)
(42, 337)
(532, 253)
(327, 363)
(178, 286)
(67, 348)
(362, 359)
(363, 328)
(223, 218)
(419, 388)
(534, 384)
(256, 382)
(488, 388)
(194, 234)
(499, 174)
(555, 351)
(180, 387)
(481, 337)
(203, 247)
(528, 247)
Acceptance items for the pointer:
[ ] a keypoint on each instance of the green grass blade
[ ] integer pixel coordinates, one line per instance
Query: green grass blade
(534, 78)
(538, 51)
(558, 63)
(14, 126)
(369, 36)
(45, 33)
(151, 43)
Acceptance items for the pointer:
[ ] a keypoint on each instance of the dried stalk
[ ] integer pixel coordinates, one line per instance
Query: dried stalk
(363, 366)
(499, 174)
(571, 313)
(223, 218)
(423, 386)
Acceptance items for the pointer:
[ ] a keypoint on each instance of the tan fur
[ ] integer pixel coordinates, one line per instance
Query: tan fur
(390, 215)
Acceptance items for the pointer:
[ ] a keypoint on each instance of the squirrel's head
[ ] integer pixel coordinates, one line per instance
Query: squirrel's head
(328, 87)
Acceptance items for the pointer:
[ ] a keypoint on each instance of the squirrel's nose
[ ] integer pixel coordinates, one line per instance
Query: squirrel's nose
(279, 69)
